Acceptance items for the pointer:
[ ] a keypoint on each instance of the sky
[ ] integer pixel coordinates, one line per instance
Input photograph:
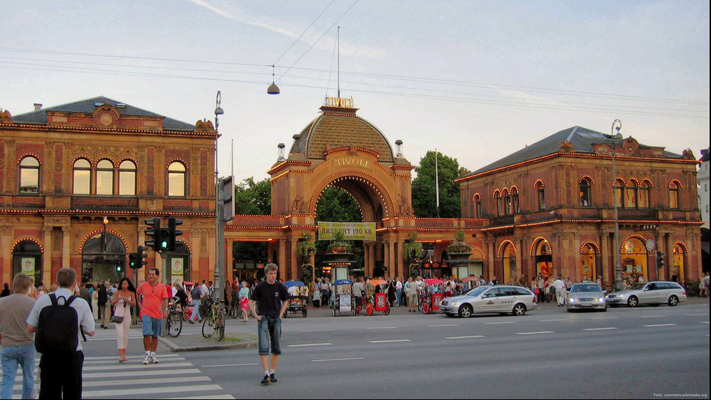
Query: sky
(477, 80)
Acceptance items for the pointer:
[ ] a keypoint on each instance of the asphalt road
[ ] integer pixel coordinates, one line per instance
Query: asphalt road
(648, 352)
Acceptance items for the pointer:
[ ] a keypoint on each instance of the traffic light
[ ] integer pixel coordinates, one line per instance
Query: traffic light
(141, 255)
(136, 260)
(154, 232)
(163, 239)
(172, 223)
(660, 260)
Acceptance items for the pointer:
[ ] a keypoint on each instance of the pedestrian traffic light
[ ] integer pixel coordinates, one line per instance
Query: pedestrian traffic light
(154, 233)
(172, 224)
(163, 239)
(133, 260)
(660, 260)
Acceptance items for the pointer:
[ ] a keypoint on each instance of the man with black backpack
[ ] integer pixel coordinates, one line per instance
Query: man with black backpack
(57, 320)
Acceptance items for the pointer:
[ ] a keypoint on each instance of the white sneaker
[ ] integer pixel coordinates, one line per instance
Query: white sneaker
(146, 359)
(153, 359)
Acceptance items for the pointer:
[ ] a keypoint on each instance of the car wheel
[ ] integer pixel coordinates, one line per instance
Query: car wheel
(519, 309)
(673, 300)
(465, 311)
(632, 301)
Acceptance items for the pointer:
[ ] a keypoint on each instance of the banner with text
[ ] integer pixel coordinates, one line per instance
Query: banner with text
(351, 230)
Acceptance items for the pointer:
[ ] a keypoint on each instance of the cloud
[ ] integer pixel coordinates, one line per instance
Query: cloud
(237, 15)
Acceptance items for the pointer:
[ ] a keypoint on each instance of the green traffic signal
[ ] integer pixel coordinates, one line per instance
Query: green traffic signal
(164, 240)
(132, 260)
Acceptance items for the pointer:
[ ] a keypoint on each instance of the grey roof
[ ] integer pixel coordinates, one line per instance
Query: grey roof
(89, 105)
(581, 138)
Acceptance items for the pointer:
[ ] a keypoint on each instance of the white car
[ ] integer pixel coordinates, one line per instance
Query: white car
(500, 299)
(656, 292)
(586, 296)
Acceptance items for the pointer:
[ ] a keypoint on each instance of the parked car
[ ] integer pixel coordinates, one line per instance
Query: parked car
(586, 296)
(655, 292)
(500, 299)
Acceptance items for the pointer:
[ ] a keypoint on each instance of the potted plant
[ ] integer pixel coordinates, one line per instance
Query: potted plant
(339, 244)
(459, 245)
(411, 249)
(305, 247)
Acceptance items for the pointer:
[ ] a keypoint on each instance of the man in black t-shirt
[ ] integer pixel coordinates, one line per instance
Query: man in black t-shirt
(273, 301)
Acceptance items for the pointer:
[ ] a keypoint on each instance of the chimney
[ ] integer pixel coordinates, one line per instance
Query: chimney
(38, 106)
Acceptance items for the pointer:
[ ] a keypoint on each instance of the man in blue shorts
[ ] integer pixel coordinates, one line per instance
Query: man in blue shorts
(154, 309)
(273, 301)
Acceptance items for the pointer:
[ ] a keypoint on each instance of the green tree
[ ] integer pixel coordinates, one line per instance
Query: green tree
(253, 198)
(424, 198)
(336, 205)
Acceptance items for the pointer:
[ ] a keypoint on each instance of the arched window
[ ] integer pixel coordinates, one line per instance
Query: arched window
(644, 195)
(27, 258)
(29, 175)
(82, 177)
(540, 189)
(674, 194)
(499, 204)
(507, 203)
(105, 177)
(617, 192)
(631, 194)
(514, 200)
(127, 178)
(176, 179)
(585, 193)
(477, 206)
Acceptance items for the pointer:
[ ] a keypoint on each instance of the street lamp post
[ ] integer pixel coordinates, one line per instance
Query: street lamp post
(219, 225)
(616, 124)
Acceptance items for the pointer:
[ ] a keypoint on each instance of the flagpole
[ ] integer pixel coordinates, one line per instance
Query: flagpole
(437, 181)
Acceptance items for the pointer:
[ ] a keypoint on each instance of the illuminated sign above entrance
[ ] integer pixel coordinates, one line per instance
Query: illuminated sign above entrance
(339, 102)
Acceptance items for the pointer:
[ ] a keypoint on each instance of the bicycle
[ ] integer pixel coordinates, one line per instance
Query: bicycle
(175, 319)
(214, 323)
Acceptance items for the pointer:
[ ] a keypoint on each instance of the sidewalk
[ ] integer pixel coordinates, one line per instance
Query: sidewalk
(238, 336)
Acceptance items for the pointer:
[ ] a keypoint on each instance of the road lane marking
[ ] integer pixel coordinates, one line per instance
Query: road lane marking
(552, 320)
(499, 323)
(605, 318)
(435, 326)
(134, 365)
(658, 325)
(464, 337)
(320, 330)
(141, 382)
(147, 371)
(309, 345)
(704, 322)
(390, 341)
(696, 315)
(228, 365)
(150, 390)
(600, 329)
(652, 316)
(383, 327)
(338, 359)
(534, 333)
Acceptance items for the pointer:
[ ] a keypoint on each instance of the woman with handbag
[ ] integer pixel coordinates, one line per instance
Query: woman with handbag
(123, 300)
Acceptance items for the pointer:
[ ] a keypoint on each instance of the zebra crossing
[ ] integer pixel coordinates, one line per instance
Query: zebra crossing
(173, 378)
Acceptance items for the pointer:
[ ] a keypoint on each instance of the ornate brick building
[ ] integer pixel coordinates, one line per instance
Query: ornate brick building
(78, 180)
(550, 209)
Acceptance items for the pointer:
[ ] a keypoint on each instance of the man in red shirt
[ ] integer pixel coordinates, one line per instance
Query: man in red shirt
(153, 298)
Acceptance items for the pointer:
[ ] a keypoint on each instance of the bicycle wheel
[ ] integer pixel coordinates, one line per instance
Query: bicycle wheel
(175, 324)
(208, 327)
(220, 326)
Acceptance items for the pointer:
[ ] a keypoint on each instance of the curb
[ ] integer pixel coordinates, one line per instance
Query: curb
(174, 347)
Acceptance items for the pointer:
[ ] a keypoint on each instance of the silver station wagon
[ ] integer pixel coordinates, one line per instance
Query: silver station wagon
(489, 299)
(655, 292)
